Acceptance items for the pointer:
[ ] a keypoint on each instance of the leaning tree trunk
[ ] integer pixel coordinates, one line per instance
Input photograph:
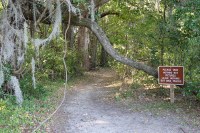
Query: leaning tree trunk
(103, 39)
(78, 20)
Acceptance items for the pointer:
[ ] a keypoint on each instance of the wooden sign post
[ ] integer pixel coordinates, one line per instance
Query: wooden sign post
(172, 93)
(171, 75)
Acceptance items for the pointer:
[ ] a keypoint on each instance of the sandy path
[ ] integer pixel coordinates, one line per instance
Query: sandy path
(86, 110)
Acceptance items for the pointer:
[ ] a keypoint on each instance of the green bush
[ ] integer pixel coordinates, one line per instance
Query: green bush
(193, 88)
(127, 93)
(73, 65)
(51, 64)
(136, 86)
(28, 90)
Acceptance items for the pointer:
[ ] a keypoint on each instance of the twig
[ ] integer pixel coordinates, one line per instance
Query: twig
(182, 130)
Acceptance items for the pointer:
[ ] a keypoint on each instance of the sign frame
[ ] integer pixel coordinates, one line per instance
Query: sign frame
(171, 83)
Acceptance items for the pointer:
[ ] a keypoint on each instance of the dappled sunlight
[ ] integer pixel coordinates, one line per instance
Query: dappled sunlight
(101, 122)
(2, 108)
(113, 85)
(166, 99)
(129, 81)
(150, 86)
(102, 73)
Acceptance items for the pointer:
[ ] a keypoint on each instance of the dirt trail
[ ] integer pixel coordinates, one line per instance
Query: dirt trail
(88, 110)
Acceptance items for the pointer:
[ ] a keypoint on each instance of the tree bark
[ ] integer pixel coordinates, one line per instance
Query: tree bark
(103, 58)
(93, 52)
(83, 45)
(70, 35)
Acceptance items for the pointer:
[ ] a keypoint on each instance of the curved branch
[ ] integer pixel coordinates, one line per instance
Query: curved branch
(109, 13)
(103, 39)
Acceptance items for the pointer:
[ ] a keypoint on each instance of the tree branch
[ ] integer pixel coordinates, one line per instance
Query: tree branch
(103, 39)
(109, 13)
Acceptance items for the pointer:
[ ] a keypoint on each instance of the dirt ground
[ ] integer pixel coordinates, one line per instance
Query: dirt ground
(91, 107)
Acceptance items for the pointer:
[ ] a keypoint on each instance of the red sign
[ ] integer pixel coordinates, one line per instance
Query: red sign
(171, 75)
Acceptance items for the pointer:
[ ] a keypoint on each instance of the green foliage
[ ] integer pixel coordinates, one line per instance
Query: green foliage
(168, 37)
(117, 96)
(7, 72)
(161, 105)
(198, 95)
(12, 118)
(74, 67)
(34, 109)
(193, 88)
(50, 64)
(127, 93)
(135, 86)
(78, 1)
(29, 92)
(137, 36)
(187, 19)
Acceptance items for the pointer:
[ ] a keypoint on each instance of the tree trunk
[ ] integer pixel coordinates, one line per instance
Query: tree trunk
(93, 53)
(103, 58)
(83, 45)
(69, 36)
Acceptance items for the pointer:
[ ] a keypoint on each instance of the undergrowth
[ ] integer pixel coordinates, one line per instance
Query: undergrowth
(38, 103)
(146, 96)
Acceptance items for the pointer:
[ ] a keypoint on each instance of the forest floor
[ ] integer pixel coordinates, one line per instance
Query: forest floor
(92, 106)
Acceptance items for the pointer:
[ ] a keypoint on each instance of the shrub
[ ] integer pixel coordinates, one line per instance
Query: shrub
(29, 91)
(193, 88)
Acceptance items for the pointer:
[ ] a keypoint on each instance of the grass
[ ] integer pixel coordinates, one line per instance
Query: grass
(155, 107)
(35, 108)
